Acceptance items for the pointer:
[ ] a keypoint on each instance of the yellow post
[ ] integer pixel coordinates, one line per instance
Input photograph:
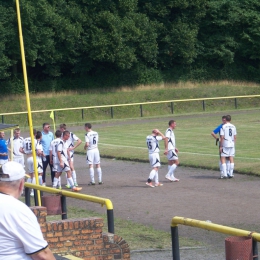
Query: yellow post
(27, 96)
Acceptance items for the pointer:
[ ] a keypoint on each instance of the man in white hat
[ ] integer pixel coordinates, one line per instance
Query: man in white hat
(20, 233)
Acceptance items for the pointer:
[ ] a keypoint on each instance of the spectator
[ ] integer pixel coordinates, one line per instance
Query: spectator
(3, 149)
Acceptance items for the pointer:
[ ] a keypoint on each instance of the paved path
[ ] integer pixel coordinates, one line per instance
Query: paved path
(199, 195)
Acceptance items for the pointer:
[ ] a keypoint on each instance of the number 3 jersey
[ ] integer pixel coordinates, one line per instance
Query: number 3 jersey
(228, 131)
(153, 143)
(27, 145)
(91, 138)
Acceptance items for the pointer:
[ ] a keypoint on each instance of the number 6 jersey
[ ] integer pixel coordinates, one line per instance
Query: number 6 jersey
(91, 138)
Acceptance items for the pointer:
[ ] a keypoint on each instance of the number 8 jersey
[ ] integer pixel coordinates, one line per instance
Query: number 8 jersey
(228, 131)
(91, 138)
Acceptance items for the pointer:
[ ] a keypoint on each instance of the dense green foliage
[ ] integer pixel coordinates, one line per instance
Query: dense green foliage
(88, 43)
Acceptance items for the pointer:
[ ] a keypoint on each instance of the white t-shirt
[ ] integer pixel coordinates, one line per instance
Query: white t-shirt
(91, 138)
(38, 149)
(228, 131)
(70, 142)
(17, 144)
(54, 148)
(20, 233)
(171, 139)
(27, 145)
(63, 149)
(153, 143)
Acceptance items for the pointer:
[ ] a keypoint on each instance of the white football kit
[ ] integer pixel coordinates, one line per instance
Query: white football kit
(172, 155)
(27, 147)
(53, 148)
(17, 144)
(73, 138)
(153, 150)
(93, 156)
(39, 158)
(63, 149)
(228, 131)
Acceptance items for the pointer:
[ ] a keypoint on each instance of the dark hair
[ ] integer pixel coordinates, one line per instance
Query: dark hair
(88, 125)
(58, 133)
(171, 121)
(66, 132)
(228, 118)
(224, 117)
(38, 135)
(63, 126)
(44, 124)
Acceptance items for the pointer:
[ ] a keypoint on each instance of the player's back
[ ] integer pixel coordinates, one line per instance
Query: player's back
(27, 145)
(153, 143)
(92, 138)
(228, 131)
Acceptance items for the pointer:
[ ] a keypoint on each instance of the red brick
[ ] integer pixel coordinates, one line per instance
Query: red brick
(99, 241)
(49, 226)
(71, 225)
(76, 232)
(126, 256)
(60, 226)
(65, 225)
(54, 226)
(68, 243)
(126, 250)
(87, 253)
(86, 231)
(78, 248)
(52, 239)
(76, 225)
(87, 242)
(59, 245)
(67, 233)
(95, 236)
(58, 234)
(49, 234)
(82, 224)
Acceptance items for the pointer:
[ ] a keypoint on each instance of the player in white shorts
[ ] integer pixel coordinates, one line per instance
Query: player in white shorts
(27, 149)
(172, 152)
(17, 145)
(39, 155)
(73, 142)
(152, 142)
(93, 157)
(54, 160)
(228, 136)
(63, 165)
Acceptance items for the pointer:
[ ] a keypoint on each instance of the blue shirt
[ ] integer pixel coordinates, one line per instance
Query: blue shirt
(46, 142)
(217, 130)
(3, 149)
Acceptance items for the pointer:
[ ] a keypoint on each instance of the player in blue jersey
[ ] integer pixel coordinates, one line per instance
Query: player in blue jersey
(3, 149)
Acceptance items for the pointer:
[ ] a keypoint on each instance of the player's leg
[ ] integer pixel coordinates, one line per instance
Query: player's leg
(232, 163)
(56, 177)
(31, 173)
(70, 179)
(224, 154)
(96, 161)
(90, 159)
(153, 163)
(173, 162)
(44, 165)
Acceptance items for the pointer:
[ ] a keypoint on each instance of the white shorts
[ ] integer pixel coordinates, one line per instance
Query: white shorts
(3, 161)
(30, 164)
(154, 159)
(172, 155)
(65, 168)
(39, 166)
(93, 156)
(228, 151)
(19, 159)
(71, 156)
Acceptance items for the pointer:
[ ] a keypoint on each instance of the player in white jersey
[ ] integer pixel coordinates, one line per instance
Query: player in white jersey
(73, 143)
(93, 156)
(39, 155)
(27, 149)
(17, 145)
(63, 165)
(54, 160)
(152, 142)
(228, 136)
(172, 151)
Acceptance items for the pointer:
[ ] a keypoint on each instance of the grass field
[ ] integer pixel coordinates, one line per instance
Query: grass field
(127, 140)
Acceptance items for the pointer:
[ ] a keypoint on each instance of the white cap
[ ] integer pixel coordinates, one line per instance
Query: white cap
(11, 171)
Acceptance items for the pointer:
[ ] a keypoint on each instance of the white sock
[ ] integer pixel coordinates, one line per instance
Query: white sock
(40, 179)
(74, 176)
(169, 167)
(55, 182)
(156, 178)
(71, 182)
(220, 166)
(224, 170)
(231, 169)
(91, 173)
(68, 184)
(152, 174)
(171, 171)
(99, 171)
(228, 166)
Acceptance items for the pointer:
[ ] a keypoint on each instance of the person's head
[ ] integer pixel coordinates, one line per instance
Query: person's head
(12, 178)
(17, 132)
(66, 135)
(224, 119)
(172, 124)
(63, 127)
(2, 134)
(155, 132)
(228, 118)
(88, 126)
(38, 135)
(46, 127)
(58, 133)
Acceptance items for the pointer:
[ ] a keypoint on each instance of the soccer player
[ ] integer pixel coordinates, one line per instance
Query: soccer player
(171, 152)
(47, 137)
(152, 142)
(17, 145)
(93, 156)
(54, 160)
(228, 136)
(63, 165)
(3, 149)
(39, 155)
(73, 143)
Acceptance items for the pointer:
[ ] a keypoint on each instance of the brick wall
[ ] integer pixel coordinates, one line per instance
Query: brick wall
(81, 237)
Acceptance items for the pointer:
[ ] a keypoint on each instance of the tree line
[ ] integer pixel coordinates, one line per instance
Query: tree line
(90, 43)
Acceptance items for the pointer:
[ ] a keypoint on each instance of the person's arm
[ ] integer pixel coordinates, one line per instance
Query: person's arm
(86, 145)
(44, 254)
(79, 142)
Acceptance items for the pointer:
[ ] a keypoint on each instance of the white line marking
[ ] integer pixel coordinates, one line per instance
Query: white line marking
(204, 154)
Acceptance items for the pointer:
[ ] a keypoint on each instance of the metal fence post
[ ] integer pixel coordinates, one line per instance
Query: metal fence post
(82, 114)
(3, 121)
(172, 107)
(235, 103)
(175, 243)
(27, 196)
(255, 250)
(112, 112)
(54, 113)
(110, 221)
(203, 105)
(36, 202)
(63, 207)
(141, 110)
